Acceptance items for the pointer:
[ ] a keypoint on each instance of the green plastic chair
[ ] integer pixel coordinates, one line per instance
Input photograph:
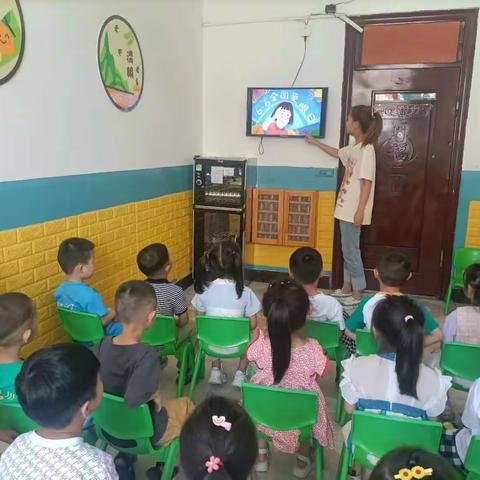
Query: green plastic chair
(163, 333)
(12, 417)
(328, 336)
(81, 327)
(462, 258)
(294, 410)
(373, 435)
(366, 343)
(215, 334)
(134, 428)
(461, 360)
(472, 460)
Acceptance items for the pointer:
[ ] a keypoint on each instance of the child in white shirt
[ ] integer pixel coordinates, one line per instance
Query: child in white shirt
(306, 268)
(220, 292)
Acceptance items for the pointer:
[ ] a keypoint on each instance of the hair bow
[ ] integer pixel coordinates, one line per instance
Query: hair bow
(221, 422)
(415, 472)
(213, 464)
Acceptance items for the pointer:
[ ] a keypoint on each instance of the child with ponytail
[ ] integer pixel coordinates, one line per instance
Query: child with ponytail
(218, 441)
(220, 292)
(284, 358)
(395, 380)
(355, 196)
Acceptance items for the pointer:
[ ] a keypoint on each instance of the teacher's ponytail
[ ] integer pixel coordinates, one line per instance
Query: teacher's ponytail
(370, 123)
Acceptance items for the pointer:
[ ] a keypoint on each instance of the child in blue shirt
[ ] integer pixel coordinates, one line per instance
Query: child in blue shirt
(17, 323)
(76, 259)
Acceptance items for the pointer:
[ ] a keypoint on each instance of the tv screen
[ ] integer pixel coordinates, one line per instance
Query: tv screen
(286, 112)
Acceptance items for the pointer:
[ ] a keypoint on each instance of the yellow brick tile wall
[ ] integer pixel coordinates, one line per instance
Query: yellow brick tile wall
(473, 225)
(28, 255)
(278, 256)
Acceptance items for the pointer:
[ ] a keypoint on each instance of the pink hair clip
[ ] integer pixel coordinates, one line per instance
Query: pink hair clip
(213, 464)
(221, 422)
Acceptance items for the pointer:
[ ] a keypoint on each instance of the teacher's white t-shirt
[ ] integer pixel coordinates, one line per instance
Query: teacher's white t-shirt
(359, 164)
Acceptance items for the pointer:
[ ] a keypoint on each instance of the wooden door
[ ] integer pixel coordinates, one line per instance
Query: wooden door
(248, 215)
(424, 107)
(267, 225)
(300, 218)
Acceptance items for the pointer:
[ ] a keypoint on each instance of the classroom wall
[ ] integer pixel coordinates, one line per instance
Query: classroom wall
(268, 54)
(73, 164)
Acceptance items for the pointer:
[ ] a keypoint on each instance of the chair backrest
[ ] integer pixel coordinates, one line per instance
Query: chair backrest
(326, 333)
(293, 409)
(12, 417)
(461, 360)
(463, 258)
(162, 332)
(375, 435)
(81, 326)
(366, 343)
(217, 334)
(117, 420)
(472, 460)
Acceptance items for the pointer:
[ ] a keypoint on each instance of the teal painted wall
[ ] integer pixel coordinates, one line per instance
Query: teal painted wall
(469, 190)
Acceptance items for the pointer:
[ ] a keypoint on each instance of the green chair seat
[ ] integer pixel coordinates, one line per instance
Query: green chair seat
(132, 427)
(163, 333)
(219, 337)
(461, 360)
(294, 410)
(462, 259)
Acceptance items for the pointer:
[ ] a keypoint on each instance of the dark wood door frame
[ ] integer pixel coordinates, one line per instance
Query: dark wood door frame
(351, 62)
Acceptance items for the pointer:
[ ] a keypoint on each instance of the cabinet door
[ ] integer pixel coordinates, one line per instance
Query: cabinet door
(267, 216)
(300, 218)
(248, 215)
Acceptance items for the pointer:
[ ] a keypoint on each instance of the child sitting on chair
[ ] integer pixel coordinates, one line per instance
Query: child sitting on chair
(76, 259)
(58, 388)
(154, 262)
(218, 437)
(220, 292)
(17, 323)
(306, 268)
(130, 369)
(284, 358)
(393, 271)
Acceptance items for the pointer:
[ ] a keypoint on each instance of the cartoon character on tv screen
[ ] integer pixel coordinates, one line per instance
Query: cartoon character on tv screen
(277, 123)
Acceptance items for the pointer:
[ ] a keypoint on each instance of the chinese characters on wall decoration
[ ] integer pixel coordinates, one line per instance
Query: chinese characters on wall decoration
(120, 62)
(12, 38)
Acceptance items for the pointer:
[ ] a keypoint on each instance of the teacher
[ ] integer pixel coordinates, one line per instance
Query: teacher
(355, 196)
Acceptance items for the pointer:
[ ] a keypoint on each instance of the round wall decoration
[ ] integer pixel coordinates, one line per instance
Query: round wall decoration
(12, 38)
(120, 62)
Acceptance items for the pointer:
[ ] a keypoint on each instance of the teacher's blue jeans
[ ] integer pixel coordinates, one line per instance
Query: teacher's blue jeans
(352, 259)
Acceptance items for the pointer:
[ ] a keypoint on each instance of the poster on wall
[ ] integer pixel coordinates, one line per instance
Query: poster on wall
(120, 62)
(12, 38)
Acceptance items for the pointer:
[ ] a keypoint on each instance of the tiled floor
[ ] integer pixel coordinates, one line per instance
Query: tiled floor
(281, 465)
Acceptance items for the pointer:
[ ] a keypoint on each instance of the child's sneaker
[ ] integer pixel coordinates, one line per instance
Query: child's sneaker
(339, 293)
(238, 379)
(217, 376)
(349, 302)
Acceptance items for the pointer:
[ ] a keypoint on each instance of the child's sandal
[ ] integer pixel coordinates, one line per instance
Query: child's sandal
(262, 466)
(303, 472)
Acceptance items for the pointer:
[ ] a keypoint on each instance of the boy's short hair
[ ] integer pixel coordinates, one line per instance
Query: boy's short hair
(152, 258)
(17, 314)
(74, 251)
(306, 265)
(55, 382)
(394, 268)
(134, 296)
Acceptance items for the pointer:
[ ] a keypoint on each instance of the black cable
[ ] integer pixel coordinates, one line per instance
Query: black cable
(261, 149)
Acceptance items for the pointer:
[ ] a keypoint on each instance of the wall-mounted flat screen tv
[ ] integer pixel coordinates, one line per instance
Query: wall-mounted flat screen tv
(286, 112)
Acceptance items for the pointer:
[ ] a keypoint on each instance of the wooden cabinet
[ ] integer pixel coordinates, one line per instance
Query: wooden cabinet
(284, 217)
(300, 218)
(267, 221)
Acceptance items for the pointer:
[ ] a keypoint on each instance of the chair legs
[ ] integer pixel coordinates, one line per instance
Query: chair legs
(343, 464)
(340, 414)
(318, 461)
(199, 359)
(184, 359)
(448, 297)
(171, 460)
